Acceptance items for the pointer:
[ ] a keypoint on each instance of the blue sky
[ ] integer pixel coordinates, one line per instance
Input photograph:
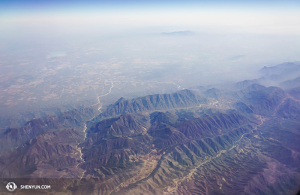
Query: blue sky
(15, 7)
(77, 4)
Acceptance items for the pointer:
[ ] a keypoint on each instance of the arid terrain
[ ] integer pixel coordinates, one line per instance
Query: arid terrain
(239, 138)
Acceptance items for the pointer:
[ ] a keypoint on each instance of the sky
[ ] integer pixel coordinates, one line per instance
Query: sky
(230, 39)
(264, 16)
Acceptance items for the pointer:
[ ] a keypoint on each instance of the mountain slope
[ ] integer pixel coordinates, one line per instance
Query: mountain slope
(181, 99)
(262, 100)
(220, 142)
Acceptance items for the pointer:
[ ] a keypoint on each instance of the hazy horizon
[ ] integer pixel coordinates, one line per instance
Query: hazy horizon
(86, 43)
(267, 17)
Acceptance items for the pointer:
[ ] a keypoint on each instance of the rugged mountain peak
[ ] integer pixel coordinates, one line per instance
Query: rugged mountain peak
(261, 100)
(186, 91)
(120, 100)
(123, 126)
(162, 117)
(180, 99)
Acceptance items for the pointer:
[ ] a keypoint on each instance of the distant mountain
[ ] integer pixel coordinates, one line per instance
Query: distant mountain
(178, 33)
(213, 93)
(282, 71)
(237, 58)
(262, 100)
(198, 88)
(283, 68)
(246, 83)
(276, 77)
(291, 83)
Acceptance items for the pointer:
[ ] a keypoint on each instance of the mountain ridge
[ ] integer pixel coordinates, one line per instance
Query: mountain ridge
(235, 140)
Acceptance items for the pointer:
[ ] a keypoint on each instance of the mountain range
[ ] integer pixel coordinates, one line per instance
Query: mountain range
(243, 139)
